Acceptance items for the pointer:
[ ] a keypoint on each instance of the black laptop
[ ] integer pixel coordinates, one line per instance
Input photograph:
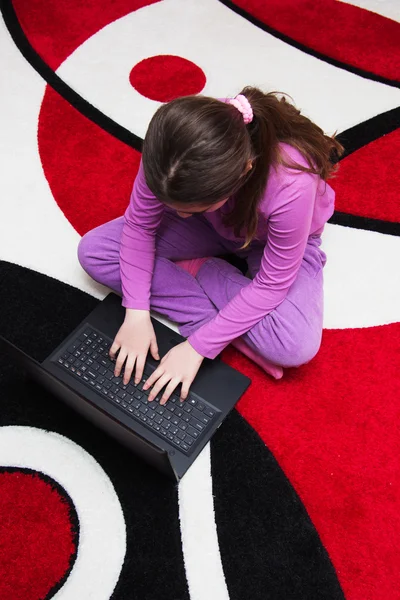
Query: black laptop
(169, 437)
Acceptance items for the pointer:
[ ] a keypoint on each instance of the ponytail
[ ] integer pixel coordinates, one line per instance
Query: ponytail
(277, 120)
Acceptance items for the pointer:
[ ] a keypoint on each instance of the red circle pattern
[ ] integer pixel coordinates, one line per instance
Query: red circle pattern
(166, 77)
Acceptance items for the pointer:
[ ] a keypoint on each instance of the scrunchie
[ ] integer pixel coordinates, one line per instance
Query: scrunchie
(243, 106)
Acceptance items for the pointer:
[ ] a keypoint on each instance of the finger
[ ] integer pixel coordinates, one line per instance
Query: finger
(169, 389)
(114, 349)
(153, 377)
(154, 349)
(185, 390)
(158, 386)
(140, 362)
(130, 363)
(120, 361)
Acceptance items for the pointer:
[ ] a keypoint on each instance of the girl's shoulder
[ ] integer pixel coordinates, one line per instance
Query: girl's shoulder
(283, 175)
(292, 156)
(285, 183)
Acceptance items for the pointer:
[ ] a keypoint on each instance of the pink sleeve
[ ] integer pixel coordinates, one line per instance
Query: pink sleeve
(288, 231)
(137, 250)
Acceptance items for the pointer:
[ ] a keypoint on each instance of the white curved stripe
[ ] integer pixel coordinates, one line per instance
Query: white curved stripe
(33, 231)
(204, 571)
(361, 278)
(102, 543)
(385, 8)
(232, 53)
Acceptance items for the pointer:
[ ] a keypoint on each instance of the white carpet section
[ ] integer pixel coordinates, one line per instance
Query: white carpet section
(232, 53)
(361, 278)
(204, 571)
(102, 544)
(385, 8)
(33, 231)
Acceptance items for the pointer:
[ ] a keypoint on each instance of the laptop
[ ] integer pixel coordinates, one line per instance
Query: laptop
(169, 437)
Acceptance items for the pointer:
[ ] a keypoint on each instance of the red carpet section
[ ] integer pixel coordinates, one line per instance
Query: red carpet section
(37, 533)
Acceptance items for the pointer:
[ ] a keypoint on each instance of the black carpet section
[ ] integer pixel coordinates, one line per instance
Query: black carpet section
(269, 546)
(36, 312)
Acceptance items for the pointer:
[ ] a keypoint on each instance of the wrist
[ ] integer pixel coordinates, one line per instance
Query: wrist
(193, 350)
(135, 314)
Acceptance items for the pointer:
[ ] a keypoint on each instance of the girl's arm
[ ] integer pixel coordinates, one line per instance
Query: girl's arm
(288, 231)
(137, 250)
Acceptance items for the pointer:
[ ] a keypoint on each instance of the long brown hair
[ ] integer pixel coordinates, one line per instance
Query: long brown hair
(197, 148)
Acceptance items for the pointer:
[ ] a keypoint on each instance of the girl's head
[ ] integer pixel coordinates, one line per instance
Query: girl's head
(198, 151)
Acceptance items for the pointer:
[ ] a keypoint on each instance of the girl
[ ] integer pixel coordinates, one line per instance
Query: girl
(242, 176)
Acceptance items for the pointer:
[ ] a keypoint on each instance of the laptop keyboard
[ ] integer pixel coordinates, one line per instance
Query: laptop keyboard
(181, 423)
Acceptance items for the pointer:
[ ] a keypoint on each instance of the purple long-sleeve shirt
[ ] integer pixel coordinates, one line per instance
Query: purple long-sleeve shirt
(295, 205)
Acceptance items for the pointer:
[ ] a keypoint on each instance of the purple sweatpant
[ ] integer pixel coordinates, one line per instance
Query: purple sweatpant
(289, 336)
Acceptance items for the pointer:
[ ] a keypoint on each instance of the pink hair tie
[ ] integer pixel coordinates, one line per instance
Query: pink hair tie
(243, 106)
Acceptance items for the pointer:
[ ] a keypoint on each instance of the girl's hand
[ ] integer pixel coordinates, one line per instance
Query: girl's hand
(179, 365)
(134, 338)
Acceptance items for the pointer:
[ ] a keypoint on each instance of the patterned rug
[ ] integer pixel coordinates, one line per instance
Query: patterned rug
(297, 495)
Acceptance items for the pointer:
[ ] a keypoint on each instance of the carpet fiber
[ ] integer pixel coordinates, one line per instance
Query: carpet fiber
(297, 495)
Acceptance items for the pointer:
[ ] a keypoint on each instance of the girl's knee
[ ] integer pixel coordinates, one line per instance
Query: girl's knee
(301, 351)
(294, 351)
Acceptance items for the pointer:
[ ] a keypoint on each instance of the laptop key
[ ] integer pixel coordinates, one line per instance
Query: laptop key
(191, 431)
(73, 347)
(209, 412)
(184, 446)
(200, 416)
(196, 424)
(189, 440)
